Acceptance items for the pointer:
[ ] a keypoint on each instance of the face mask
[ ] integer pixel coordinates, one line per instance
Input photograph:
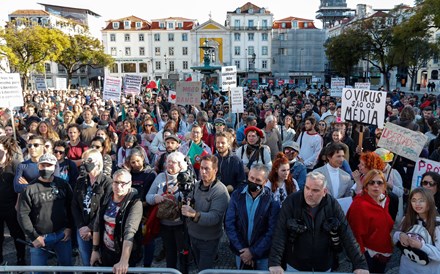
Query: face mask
(253, 187)
(46, 173)
(89, 166)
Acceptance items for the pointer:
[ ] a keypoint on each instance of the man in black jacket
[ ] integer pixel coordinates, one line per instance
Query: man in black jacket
(311, 228)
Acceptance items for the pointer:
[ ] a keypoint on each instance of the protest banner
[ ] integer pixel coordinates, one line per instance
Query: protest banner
(363, 106)
(337, 84)
(61, 83)
(40, 83)
(229, 77)
(132, 84)
(422, 166)
(236, 100)
(362, 85)
(112, 88)
(188, 93)
(172, 96)
(402, 141)
(11, 94)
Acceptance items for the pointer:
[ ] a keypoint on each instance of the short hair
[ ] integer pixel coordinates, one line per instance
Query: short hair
(211, 158)
(315, 175)
(311, 119)
(269, 119)
(122, 173)
(333, 148)
(178, 157)
(261, 167)
(63, 144)
(96, 156)
(73, 126)
(37, 137)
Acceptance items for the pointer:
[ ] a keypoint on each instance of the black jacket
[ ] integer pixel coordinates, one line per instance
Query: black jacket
(128, 224)
(101, 189)
(311, 250)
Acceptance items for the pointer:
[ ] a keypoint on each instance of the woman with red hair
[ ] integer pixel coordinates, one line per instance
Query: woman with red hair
(280, 181)
(367, 162)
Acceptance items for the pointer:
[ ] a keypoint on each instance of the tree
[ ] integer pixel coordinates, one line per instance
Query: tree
(28, 48)
(345, 51)
(83, 51)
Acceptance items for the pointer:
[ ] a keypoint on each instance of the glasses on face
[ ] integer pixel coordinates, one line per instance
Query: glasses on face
(58, 151)
(219, 124)
(431, 184)
(419, 201)
(372, 183)
(322, 125)
(121, 183)
(148, 125)
(164, 115)
(131, 110)
(55, 189)
(143, 113)
(96, 147)
(34, 145)
(298, 116)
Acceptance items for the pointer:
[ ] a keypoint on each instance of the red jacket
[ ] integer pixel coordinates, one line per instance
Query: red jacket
(371, 224)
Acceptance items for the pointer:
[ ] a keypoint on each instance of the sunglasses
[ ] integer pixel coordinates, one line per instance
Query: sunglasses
(219, 124)
(431, 184)
(96, 147)
(372, 183)
(148, 125)
(33, 145)
(121, 183)
(58, 151)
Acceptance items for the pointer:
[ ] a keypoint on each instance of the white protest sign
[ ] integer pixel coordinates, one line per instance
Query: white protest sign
(112, 88)
(237, 100)
(40, 83)
(337, 84)
(172, 96)
(132, 84)
(422, 166)
(363, 106)
(188, 93)
(229, 77)
(61, 83)
(361, 85)
(402, 141)
(11, 93)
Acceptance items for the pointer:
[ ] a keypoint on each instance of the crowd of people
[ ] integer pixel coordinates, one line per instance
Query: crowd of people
(107, 178)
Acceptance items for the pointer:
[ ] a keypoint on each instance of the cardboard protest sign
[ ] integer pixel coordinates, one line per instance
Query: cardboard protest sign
(236, 100)
(229, 77)
(11, 94)
(112, 88)
(336, 85)
(363, 106)
(188, 93)
(402, 141)
(40, 83)
(132, 84)
(422, 166)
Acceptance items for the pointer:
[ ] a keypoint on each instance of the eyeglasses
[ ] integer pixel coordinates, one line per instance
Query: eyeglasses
(431, 184)
(55, 189)
(219, 124)
(96, 147)
(419, 201)
(371, 183)
(33, 145)
(322, 125)
(148, 125)
(120, 183)
(131, 110)
(143, 113)
(58, 151)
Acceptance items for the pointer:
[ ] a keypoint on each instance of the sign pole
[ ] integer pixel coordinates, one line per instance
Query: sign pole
(12, 122)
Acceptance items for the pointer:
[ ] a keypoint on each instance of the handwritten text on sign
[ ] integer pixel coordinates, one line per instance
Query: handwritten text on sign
(363, 106)
(11, 94)
(112, 88)
(402, 141)
(188, 93)
(229, 77)
(237, 100)
(422, 166)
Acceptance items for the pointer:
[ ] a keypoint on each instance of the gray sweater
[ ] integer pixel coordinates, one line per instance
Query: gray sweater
(212, 203)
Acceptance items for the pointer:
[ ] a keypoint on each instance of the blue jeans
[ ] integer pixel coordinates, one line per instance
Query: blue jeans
(261, 264)
(53, 241)
(85, 249)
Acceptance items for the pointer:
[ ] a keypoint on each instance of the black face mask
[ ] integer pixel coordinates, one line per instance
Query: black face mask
(89, 166)
(46, 173)
(253, 187)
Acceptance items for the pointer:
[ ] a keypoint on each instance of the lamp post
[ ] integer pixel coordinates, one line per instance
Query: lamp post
(99, 82)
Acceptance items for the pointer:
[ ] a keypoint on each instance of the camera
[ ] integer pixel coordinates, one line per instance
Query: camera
(295, 227)
(331, 225)
(185, 182)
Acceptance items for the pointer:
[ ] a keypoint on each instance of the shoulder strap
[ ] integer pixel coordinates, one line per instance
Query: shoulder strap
(301, 139)
(262, 155)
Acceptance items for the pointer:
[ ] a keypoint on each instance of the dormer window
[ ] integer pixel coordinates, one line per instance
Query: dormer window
(305, 25)
(179, 25)
(294, 24)
(138, 25)
(238, 10)
(162, 25)
(262, 10)
(127, 24)
(115, 25)
(170, 25)
(251, 11)
(283, 25)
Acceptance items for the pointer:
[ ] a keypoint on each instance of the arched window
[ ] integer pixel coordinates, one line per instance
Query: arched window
(129, 67)
(434, 74)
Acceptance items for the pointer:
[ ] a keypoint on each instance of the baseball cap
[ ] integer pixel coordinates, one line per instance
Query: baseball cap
(47, 159)
(291, 144)
(219, 121)
(174, 137)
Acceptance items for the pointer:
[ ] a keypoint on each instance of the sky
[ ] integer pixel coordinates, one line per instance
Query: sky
(194, 9)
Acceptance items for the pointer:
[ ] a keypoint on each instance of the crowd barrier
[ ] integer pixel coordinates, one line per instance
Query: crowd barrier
(82, 269)
(235, 271)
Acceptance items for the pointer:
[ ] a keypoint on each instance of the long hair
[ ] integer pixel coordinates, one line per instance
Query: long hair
(411, 217)
(372, 161)
(107, 141)
(51, 133)
(281, 159)
(11, 148)
(176, 127)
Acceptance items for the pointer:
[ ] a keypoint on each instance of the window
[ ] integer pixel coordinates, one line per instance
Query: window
(143, 67)
(157, 37)
(115, 25)
(185, 64)
(251, 50)
(138, 25)
(294, 24)
(236, 36)
(264, 23)
(157, 51)
(141, 51)
(127, 24)
(283, 25)
(127, 51)
(264, 36)
(251, 36)
(127, 37)
(162, 25)
(158, 66)
(171, 65)
(171, 51)
(113, 37)
(185, 51)
(282, 36)
(264, 64)
(236, 50)
(305, 25)
(184, 36)
(129, 67)
(141, 37)
(171, 25)
(113, 51)
(47, 67)
(282, 51)
(237, 63)
(264, 50)
(114, 68)
(250, 24)
(171, 37)
(61, 69)
(237, 23)
(179, 25)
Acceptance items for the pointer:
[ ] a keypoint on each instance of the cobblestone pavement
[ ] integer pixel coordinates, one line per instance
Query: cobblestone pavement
(225, 257)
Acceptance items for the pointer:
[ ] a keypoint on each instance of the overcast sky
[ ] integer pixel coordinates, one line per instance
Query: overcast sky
(194, 9)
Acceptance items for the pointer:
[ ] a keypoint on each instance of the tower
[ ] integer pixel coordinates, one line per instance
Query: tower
(332, 11)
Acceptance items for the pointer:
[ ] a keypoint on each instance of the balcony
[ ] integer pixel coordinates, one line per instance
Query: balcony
(251, 28)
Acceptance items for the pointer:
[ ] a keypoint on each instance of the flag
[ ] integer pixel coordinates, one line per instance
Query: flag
(195, 154)
(158, 84)
(189, 79)
(123, 114)
(172, 96)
